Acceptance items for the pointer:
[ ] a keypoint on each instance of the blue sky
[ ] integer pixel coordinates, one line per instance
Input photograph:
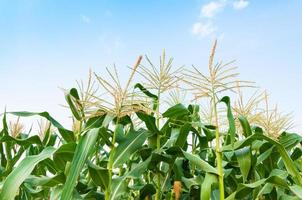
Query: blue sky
(47, 44)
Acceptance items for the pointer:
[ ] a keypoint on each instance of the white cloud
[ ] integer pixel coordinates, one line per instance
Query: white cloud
(203, 29)
(211, 9)
(241, 4)
(85, 19)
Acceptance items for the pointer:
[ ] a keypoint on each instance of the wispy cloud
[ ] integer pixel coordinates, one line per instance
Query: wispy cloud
(203, 29)
(241, 4)
(85, 19)
(205, 26)
(211, 9)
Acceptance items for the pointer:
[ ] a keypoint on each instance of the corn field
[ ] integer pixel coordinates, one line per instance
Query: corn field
(177, 133)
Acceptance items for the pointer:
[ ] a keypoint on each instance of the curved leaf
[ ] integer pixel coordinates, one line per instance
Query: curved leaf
(247, 131)
(119, 185)
(20, 141)
(289, 164)
(131, 143)
(149, 94)
(21, 172)
(70, 97)
(245, 161)
(149, 121)
(183, 135)
(66, 134)
(63, 154)
(99, 175)
(176, 111)
(83, 150)
(232, 127)
(206, 187)
(199, 163)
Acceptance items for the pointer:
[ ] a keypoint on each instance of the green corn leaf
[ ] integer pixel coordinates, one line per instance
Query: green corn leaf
(210, 133)
(178, 169)
(22, 142)
(297, 153)
(289, 164)
(231, 196)
(193, 158)
(206, 187)
(147, 190)
(247, 131)
(199, 163)
(119, 185)
(173, 138)
(276, 179)
(149, 122)
(289, 140)
(99, 175)
(232, 129)
(83, 150)
(119, 133)
(64, 154)
(176, 111)
(4, 125)
(264, 155)
(95, 122)
(149, 94)
(55, 192)
(156, 158)
(189, 182)
(105, 135)
(47, 136)
(45, 180)
(132, 142)
(71, 97)
(42, 114)
(245, 161)
(297, 190)
(67, 135)
(21, 172)
(145, 91)
(183, 135)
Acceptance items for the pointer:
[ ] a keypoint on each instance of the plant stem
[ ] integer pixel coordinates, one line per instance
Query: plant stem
(193, 152)
(78, 132)
(110, 162)
(218, 150)
(158, 190)
(217, 135)
(107, 194)
(120, 105)
(9, 156)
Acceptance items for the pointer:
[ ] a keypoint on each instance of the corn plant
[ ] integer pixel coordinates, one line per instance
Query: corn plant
(146, 141)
